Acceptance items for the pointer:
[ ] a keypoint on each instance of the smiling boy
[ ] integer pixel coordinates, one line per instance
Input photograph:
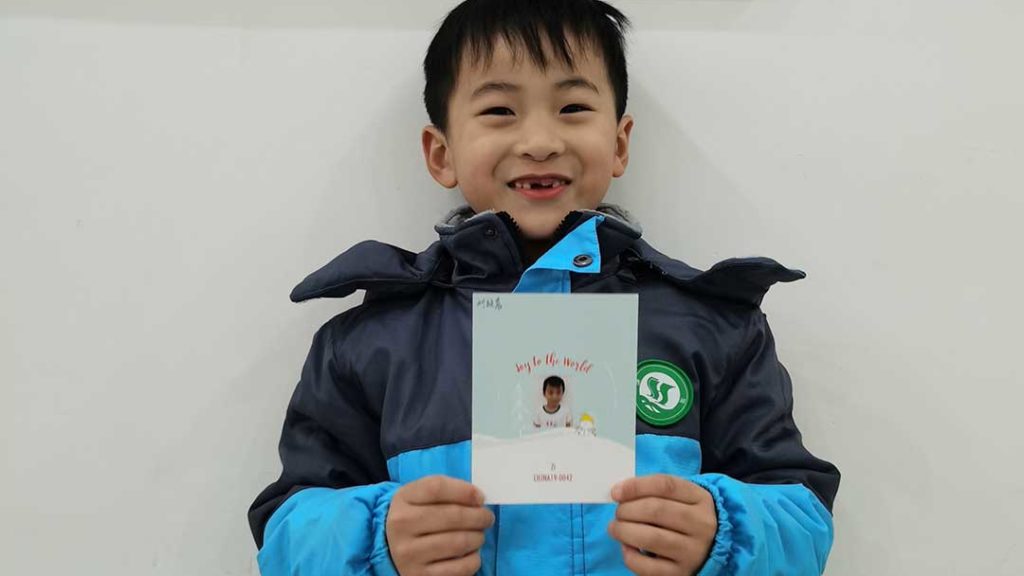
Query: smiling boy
(551, 413)
(528, 135)
(527, 106)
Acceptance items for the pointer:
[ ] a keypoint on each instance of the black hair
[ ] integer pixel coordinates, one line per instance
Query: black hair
(553, 382)
(477, 25)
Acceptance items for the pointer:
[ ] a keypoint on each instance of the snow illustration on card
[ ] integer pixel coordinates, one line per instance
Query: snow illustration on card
(554, 396)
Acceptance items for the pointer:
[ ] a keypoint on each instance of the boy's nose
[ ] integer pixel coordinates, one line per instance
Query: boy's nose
(539, 143)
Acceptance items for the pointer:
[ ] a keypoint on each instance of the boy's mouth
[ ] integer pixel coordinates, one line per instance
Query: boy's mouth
(541, 186)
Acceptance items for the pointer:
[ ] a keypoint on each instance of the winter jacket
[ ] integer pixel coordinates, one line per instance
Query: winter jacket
(384, 399)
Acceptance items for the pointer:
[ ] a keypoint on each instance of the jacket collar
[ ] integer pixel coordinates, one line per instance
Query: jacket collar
(474, 251)
(486, 247)
(481, 251)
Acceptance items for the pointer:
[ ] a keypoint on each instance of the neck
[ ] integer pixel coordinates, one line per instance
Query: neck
(531, 249)
(534, 249)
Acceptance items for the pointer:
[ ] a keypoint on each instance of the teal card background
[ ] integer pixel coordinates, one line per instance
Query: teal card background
(512, 330)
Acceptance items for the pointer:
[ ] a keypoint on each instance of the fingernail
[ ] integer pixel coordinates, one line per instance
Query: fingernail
(479, 498)
(617, 491)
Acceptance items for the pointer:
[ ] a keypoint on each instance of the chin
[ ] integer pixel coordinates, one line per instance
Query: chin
(538, 227)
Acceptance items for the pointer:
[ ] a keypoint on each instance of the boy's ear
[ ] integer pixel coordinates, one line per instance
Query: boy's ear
(436, 154)
(622, 145)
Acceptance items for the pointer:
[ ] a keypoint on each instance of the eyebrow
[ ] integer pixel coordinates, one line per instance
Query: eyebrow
(507, 87)
(577, 82)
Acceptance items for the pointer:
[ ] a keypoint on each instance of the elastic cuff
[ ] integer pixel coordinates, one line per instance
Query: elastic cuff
(380, 558)
(721, 549)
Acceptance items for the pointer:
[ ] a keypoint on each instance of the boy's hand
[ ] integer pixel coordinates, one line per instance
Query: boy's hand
(672, 520)
(436, 525)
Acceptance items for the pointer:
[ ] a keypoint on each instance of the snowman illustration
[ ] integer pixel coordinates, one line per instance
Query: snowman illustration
(586, 427)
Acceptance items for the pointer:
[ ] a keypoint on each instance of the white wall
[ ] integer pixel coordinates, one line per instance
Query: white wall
(167, 173)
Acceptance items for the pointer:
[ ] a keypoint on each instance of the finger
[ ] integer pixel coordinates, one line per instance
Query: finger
(445, 546)
(660, 486)
(441, 490)
(465, 566)
(447, 518)
(646, 565)
(667, 514)
(665, 543)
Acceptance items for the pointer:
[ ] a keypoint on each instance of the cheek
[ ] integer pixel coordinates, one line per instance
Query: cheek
(602, 152)
(597, 152)
(480, 155)
(475, 165)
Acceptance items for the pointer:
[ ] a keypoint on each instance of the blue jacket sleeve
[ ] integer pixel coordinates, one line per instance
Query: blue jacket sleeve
(774, 499)
(326, 513)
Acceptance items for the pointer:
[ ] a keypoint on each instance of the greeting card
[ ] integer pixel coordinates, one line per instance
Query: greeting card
(554, 392)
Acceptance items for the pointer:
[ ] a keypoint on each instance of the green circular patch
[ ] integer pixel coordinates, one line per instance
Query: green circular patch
(664, 393)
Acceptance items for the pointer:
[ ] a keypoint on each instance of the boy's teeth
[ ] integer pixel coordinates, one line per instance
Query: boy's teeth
(539, 184)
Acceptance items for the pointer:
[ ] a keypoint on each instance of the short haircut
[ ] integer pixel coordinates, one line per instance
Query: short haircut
(477, 24)
(553, 382)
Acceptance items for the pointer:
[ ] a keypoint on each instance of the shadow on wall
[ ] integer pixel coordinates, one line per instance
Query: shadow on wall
(391, 14)
(399, 194)
(686, 205)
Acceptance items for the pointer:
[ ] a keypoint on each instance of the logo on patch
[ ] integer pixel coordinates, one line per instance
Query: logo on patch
(664, 393)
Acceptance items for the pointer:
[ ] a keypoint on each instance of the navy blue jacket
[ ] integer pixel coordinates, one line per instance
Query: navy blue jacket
(384, 399)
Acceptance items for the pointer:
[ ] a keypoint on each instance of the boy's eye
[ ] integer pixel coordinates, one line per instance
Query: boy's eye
(497, 111)
(576, 108)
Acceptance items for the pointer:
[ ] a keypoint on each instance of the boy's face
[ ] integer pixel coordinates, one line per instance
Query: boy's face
(553, 394)
(509, 123)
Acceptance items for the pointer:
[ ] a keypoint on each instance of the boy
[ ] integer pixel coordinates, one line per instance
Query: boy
(527, 106)
(551, 414)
